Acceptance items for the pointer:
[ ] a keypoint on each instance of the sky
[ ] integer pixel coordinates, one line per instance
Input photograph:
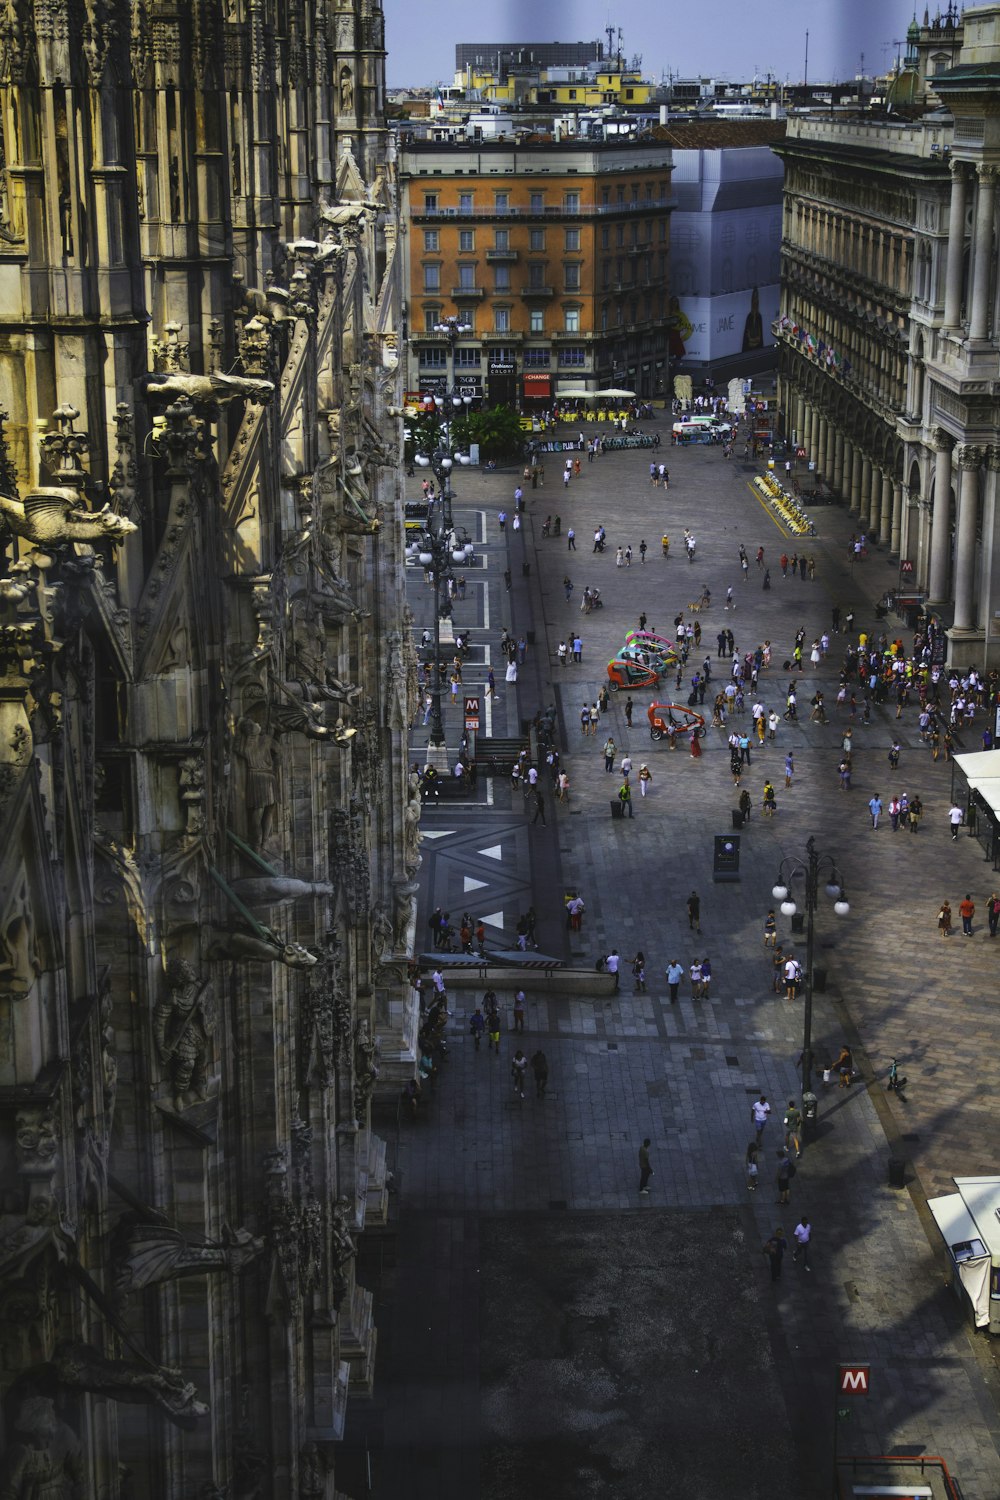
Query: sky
(723, 39)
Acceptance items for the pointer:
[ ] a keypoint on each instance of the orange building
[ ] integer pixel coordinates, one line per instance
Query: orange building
(555, 253)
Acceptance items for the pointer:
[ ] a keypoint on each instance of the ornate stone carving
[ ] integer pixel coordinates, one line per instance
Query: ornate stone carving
(968, 456)
(212, 390)
(79, 1367)
(278, 890)
(20, 963)
(148, 1251)
(326, 1023)
(183, 1023)
(257, 750)
(48, 518)
(123, 481)
(171, 353)
(342, 1246)
(258, 947)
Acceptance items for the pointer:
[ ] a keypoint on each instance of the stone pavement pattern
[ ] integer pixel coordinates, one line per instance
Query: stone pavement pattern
(633, 1065)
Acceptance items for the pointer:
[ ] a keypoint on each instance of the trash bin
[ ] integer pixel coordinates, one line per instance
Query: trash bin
(819, 981)
(617, 807)
(737, 818)
(799, 922)
(810, 1114)
(897, 1172)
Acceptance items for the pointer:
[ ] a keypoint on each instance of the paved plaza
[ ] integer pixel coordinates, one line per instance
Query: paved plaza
(547, 1330)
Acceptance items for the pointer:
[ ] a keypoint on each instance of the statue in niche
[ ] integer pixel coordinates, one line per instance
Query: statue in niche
(256, 749)
(365, 1067)
(148, 1252)
(346, 91)
(382, 935)
(183, 1023)
(20, 964)
(24, 1236)
(45, 1458)
(342, 1246)
(312, 1473)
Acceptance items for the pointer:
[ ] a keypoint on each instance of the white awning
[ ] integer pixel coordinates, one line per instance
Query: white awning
(981, 769)
(962, 1235)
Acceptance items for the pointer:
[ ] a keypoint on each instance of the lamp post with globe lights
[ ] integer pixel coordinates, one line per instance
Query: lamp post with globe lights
(440, 545)
(453, 329)
(811, 867)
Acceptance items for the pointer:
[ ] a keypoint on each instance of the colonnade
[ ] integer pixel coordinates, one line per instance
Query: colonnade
(868, 487)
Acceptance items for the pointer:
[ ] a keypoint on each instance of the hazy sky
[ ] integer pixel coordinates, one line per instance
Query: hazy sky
(728, 39)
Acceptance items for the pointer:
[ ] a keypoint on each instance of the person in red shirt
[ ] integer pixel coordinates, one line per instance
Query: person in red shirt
(967, 910)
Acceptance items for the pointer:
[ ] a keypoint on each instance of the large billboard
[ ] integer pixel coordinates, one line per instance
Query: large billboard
(714, 328)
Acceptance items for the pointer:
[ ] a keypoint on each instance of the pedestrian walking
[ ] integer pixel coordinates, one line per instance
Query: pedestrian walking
(802, 1234)
(993, 913)
(613, 965)
(789, 768)
(610, 751)
(540, 1068)
(502, 519)
(518, 1068)
(955, 817)
(759, 1113)
(944, 919)
(752, 1168)
(774, 1249)
(783, 1178)
(967, 910)
(628, 712)
(694, 912)
(793, 1128)
(562, 651)
(567, 586)
(570, 540)
(875, 808)
(639, 972)
(519, 1002)
(625, 798)
(675, 973)
(577, 649)
(645, 1170)
(645, 778)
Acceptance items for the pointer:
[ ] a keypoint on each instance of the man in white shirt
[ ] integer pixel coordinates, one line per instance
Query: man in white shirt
(759, 1110)
(675, 973)
(955, 816)
(792, 973)
(802, 1234)
(612, 964)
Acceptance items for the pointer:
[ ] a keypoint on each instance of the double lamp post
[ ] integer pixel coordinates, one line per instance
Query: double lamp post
(811, 867)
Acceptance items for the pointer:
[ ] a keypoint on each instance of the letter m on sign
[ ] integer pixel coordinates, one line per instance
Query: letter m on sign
(854, 1380)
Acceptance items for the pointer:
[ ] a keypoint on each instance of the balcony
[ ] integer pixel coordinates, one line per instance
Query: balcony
(538, 291)
(551, 213)
(499, 256)
(468, 293)
(494, 336)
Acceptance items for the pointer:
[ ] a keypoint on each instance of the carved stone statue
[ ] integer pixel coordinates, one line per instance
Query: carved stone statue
(382, 935)
(48, 518)
(256, 748)
(312, 1473)
(342, 1246)
(182, 1025)
(365, 1068)
(45, 1458)
(207, 390)
(79, 1367)
(148, 1252)
(405, 892)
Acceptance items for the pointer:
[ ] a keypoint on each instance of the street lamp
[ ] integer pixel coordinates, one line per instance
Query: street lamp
(453, 329)
(789, 870)
(440, 545)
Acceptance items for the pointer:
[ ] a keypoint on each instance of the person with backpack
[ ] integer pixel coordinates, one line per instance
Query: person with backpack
(625, 798)
(786, 1171)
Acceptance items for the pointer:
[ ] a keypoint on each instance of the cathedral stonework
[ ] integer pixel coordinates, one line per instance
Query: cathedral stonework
(207, 848)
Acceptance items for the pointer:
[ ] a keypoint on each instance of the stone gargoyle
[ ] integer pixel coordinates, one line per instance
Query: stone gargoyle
(207, 390)
(79, 1367)
(277, 890)
(239, 944)
(149, 1251)
(50, 517)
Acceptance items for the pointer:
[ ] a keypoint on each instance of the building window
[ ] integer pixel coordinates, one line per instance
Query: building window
(501, 202)
(432, 239)
(502, 356)
(605, 236)
(572, 320)
(538, 359)
(571, 203)
(537, 201)
(572, 278)
(466, 241)
(467, 359)
(501, 320)
(605, 196)
(604, 317)
(465, 203)
(572, 239)
(536, 239)
(572, 93)
(501, 278)
(430, 203)
(621, 195)
(536, 274)
(432, 278)
(433, 359)
(663, 231)
(501, 239)
(537, 320)
(467, 278)
(432, 315)
(572, 356)
(620, 235)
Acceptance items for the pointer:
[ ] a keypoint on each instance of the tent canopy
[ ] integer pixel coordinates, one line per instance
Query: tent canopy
(614, 395)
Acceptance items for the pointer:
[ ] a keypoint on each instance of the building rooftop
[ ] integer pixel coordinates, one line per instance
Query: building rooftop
(716, 135)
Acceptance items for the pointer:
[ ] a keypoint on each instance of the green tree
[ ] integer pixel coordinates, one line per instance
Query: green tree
(497, 430)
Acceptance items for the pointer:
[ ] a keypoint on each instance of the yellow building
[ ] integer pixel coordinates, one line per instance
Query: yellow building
(553, 254)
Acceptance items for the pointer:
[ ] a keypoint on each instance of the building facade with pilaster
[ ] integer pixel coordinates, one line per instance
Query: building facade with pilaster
(208, 839)
(890, 324)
